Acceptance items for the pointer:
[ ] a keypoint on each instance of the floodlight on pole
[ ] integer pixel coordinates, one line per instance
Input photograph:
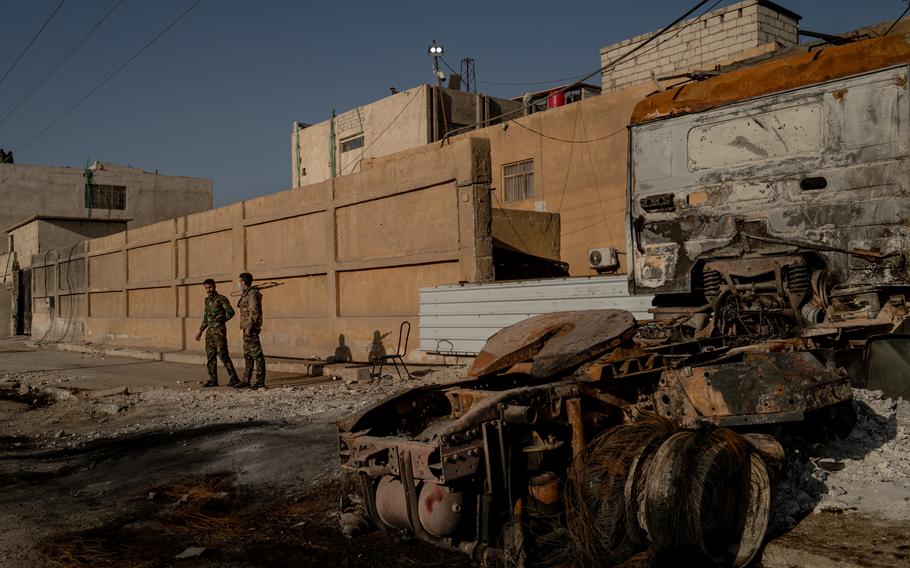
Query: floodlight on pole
(435, 51)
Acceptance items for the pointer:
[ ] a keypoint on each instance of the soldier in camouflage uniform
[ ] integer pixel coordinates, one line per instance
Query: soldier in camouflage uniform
(217, 312)
(250, 304)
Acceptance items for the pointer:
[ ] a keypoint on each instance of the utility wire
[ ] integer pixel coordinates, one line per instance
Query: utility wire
(446, 63)
(61, 62)
(638, 47)
(35, 37)
(904, 13)
(604, 137)
(601, 69)
(111, 76)
(531, 83)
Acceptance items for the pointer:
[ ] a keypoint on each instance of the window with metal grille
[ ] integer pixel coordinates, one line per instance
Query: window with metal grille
(518, 179)
(352, 143)
(106, 197)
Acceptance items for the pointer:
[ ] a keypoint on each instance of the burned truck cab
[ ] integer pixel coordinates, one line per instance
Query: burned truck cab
(785, 215)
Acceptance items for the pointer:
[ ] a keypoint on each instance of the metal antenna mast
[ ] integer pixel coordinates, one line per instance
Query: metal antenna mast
(467, 75)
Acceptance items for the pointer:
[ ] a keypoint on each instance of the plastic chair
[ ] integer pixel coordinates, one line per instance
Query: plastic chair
(404, 332)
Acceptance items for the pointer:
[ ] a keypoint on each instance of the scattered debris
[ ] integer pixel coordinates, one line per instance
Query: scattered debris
(191, 552)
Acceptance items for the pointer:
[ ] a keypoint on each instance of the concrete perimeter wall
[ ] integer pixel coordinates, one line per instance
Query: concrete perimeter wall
(352, 253)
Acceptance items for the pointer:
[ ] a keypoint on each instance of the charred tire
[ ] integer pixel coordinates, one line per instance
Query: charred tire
(707, 496)
(603, 496)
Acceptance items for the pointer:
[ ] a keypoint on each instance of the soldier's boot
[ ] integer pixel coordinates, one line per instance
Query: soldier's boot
(211, 383)
(260, 372)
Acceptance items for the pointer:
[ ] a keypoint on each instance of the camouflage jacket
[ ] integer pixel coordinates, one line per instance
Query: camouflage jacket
(217, 311)
(250, 304)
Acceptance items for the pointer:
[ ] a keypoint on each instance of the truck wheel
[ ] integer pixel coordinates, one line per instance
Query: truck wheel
(708, 496)
(602, 497)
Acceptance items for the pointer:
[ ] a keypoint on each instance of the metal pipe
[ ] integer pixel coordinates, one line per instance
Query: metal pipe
(573, 413)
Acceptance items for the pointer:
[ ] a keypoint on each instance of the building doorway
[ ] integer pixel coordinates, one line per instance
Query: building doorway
(24, 303)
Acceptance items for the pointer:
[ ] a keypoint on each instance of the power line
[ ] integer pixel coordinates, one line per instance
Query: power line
(601, 69)
(61, 62)
(38, 33)
(111, 76)
(531, 83)
(904, 13)
(639, 46)
(622, 129)
(604, 137)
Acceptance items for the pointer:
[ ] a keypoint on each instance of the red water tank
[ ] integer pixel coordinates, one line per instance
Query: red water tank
(556, 99)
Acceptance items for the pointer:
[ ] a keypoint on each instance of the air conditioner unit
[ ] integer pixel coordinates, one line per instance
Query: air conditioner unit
(604, 259)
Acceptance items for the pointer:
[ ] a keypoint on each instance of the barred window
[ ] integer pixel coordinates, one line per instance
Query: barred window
(106, 197)
(518, 179)
(352, 143)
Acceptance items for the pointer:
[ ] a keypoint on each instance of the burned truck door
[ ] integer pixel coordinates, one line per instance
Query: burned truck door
(824, 166)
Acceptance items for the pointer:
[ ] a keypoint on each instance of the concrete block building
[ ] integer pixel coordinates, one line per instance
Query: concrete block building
(720, 37)
(103, 190)
(47, 208)
(402, 121)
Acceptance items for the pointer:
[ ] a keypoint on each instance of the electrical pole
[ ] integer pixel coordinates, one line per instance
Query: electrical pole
(435, 51)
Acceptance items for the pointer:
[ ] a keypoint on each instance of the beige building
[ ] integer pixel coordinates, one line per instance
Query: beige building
(402, 121)
(105, 191)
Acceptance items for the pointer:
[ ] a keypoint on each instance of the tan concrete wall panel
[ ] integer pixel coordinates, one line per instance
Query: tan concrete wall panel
(286, 203)
(152, 302)
(106, 305)
(297, 241)
(72, 306)
(214, 220)
(419, 222)
(116, 240)
(152, 263)
(389, 291)
(106, 270)
(44, 281)
(209, 254)
(305, 297)
(71, 275)
(154, 232)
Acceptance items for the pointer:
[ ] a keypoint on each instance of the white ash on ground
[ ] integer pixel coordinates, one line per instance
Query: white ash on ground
(866, 472)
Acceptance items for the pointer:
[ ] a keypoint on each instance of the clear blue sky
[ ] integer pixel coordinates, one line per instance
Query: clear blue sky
(216, 95)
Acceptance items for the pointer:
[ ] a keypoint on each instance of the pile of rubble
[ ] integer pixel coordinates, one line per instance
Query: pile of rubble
(867, 472)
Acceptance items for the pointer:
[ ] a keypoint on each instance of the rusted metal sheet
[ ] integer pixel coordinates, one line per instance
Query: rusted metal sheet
(555, 342)
(762, 388)
(775, 76)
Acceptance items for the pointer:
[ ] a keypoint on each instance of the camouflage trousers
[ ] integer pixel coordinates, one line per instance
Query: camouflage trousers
(216, 347)
(253, 356)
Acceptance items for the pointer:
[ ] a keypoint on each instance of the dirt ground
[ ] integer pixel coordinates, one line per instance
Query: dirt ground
(117, 462)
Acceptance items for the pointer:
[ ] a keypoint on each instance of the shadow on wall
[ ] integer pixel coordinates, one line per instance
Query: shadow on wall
(377, 349)
(342, 352)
